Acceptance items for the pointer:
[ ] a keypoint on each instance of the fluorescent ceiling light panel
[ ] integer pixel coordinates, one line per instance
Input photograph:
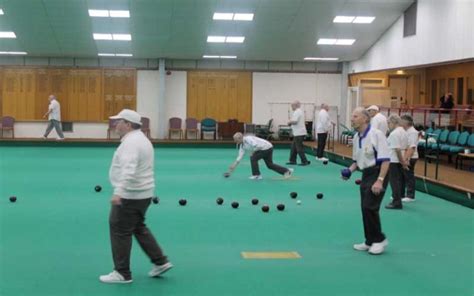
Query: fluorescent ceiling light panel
(320, 59)
(210, 56)
(106, 54)
(7, 35)
(124, 55)
(235, 39)
(13, 52)
(223, 16)
(218, 39)
(327, 41)
(228, 57)
(122, 37)
(98, 13)
(243, 17)
(364, 19)
(345, 41)
(1, 12)
(119, 13)
(343, 19)
(98, 36)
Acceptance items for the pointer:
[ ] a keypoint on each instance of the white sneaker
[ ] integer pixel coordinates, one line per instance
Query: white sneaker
(114, 278)
(408, 199)
(256, 177)
(361, 247)
(378, 248)
(59, 139)
(289, 173)
(158, 270)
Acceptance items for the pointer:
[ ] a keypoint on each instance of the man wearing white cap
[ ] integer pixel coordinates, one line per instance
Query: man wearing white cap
(378, 120)
(132, 177)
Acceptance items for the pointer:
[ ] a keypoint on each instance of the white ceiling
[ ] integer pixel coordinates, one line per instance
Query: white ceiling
(282, 30)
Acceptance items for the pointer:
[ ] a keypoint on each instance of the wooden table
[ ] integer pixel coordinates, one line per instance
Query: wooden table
(226, 130)
(461, 156)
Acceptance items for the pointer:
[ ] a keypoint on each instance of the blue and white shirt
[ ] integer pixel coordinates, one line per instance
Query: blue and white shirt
(370, 148)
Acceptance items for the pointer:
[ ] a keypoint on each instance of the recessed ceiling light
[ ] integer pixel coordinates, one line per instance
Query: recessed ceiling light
(343, 19)
(364, 19)
(228, 57)
(345, 41)
(327, 41)
(219, 39)
(235, 39)
(320, 59)
(7, 35)
(106, 54)
(98, 13)
(122, 37)
(98, 36)
(210, 56)
(223, 16)
(243, 17)
(119, 13)
(124, 55)
(1, 11)
(14, 52)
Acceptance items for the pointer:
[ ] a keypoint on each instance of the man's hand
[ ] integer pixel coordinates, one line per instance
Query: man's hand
(116, 200)
(377, 187)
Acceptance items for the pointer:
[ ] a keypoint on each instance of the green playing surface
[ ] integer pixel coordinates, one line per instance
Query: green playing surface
(54, 239)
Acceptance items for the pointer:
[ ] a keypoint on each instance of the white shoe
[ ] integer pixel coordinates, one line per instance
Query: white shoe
(361, 247)
(256, 177)
(378, 248)
(158, 270)
(289, 173)
(408, 199)
(59, 139)
(114, 278)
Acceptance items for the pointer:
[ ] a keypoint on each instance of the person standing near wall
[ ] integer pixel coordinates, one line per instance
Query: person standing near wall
(54, 118)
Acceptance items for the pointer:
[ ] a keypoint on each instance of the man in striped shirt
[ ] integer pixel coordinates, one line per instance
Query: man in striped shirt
(260, 149)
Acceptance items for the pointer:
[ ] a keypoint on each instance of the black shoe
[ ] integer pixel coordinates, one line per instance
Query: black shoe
(305, 163)
(392, 206)
(291, 163)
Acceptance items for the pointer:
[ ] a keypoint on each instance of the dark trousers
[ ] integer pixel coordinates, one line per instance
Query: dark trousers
(298, 149)
(126, 220)
(267, 156)
(410, 180)
(321, 144)
(56, 125)
(397, 182)
(370, 205)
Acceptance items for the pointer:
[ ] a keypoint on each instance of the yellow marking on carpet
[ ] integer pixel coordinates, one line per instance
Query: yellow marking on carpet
(286, 179)
(270, 255)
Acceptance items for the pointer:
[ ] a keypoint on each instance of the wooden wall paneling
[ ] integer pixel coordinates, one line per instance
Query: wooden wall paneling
(10, 82)
(42, 92)
(245, 97)
(129, 99)
(109, 101)
(191, 93)
(59, 86)
(211, 99)
(1, 91)
(94, 95)
(233, 96)
(201, 97)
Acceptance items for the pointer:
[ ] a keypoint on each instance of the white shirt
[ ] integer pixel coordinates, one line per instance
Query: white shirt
(379, 121)
(398, 139)
(252, 143)
(370, 149)
(299, 129)
(131, 172)
(323, 122)
(413, 138)
(55, 109)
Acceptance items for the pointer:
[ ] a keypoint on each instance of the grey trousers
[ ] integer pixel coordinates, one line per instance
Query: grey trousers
(397, 183)
(57, 125)
(297, 148)
(410, 180)
(126, 220)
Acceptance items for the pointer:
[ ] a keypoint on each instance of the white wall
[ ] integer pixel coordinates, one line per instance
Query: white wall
(147, 98)
(287, 87)
(445, 32)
